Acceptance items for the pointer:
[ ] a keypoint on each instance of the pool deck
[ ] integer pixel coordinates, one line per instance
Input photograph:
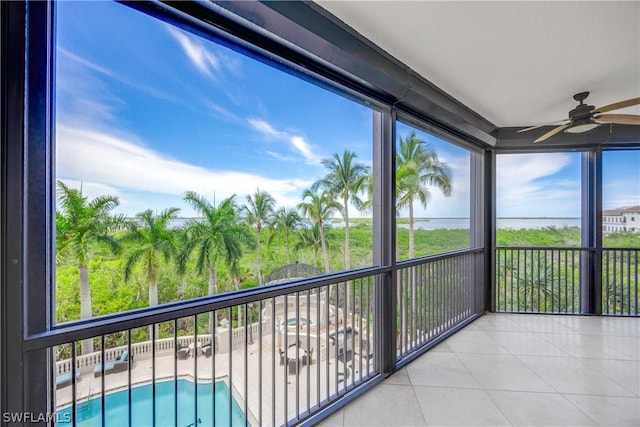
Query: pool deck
(270, 388)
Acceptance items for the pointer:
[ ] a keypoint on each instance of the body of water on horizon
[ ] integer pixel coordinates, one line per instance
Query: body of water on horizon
(502, 223)
(463, 223)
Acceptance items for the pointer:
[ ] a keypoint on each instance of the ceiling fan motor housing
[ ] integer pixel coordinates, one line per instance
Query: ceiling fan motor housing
(582, 110)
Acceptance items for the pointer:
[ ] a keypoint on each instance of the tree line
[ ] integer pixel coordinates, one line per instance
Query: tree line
(223, 231)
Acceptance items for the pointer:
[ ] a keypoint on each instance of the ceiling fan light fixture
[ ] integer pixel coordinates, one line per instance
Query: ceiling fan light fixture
(582, 125)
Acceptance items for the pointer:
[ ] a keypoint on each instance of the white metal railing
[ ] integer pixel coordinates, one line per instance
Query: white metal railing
(138, 349)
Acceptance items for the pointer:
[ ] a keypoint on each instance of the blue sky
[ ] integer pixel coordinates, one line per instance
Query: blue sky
(146, 111)
(548, 184)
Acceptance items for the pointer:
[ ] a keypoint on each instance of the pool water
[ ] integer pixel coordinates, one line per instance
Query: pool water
(117, 407)
(293, 321)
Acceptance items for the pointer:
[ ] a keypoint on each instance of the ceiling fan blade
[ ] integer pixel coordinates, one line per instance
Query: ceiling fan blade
(539, 126)
(531, 128)
(617, 105)
(552, 132)
(622, 119)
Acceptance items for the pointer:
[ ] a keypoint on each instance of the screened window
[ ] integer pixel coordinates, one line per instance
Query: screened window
(186, 169)
(538, 200)
(432, 194)
(621, 197)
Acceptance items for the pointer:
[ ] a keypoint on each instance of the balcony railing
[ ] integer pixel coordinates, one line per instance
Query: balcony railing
(434, 295)
(271, 356)
(276, 355)
(538, 280)
(548, 280)
(620, 274)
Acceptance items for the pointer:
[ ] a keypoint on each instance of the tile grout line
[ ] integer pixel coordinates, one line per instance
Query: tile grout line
(579, 361)
(550, 385)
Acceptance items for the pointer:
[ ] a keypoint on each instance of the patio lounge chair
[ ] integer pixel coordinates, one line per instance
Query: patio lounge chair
(66, 379)
(119, 365)
(182, 353)
(282, 357)
(207, 350)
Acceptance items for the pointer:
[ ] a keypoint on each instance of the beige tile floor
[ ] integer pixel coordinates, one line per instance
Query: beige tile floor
(510, 369)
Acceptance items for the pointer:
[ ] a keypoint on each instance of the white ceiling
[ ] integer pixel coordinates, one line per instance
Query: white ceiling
(515, 63)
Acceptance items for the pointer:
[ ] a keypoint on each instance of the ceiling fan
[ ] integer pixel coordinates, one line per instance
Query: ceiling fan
(586, 117)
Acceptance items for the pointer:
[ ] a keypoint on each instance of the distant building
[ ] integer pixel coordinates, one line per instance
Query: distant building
(622, 219)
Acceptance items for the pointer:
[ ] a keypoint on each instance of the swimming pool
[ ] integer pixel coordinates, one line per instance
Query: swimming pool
(303, 322)
(117, 407)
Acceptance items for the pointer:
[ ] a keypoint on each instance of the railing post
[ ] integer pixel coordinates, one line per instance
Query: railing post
(384, 235)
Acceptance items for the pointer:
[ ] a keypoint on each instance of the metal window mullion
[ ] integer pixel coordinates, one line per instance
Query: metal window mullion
(384, 240)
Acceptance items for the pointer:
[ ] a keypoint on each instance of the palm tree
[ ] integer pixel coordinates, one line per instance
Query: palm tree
(79, 225)
(310, 237)
(319, 207)
(417, 167)
(367, 185)
(259, 210)
(152, 239)
(285, 221)
(345, 180)
(218, 235)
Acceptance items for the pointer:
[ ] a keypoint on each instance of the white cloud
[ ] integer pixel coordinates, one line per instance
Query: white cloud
(130, 170)
(84, 62)
(202, 58)
(73, 74)
(296, 143)
(280, 157)
(221, 112)
(523, 191)
(266, 128)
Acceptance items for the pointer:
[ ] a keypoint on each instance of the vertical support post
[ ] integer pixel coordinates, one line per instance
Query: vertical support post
(489, 223)
(597, 266)
(591, 233)
(384, 235)
(12, 67)
(26, 204)
(38, 204)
